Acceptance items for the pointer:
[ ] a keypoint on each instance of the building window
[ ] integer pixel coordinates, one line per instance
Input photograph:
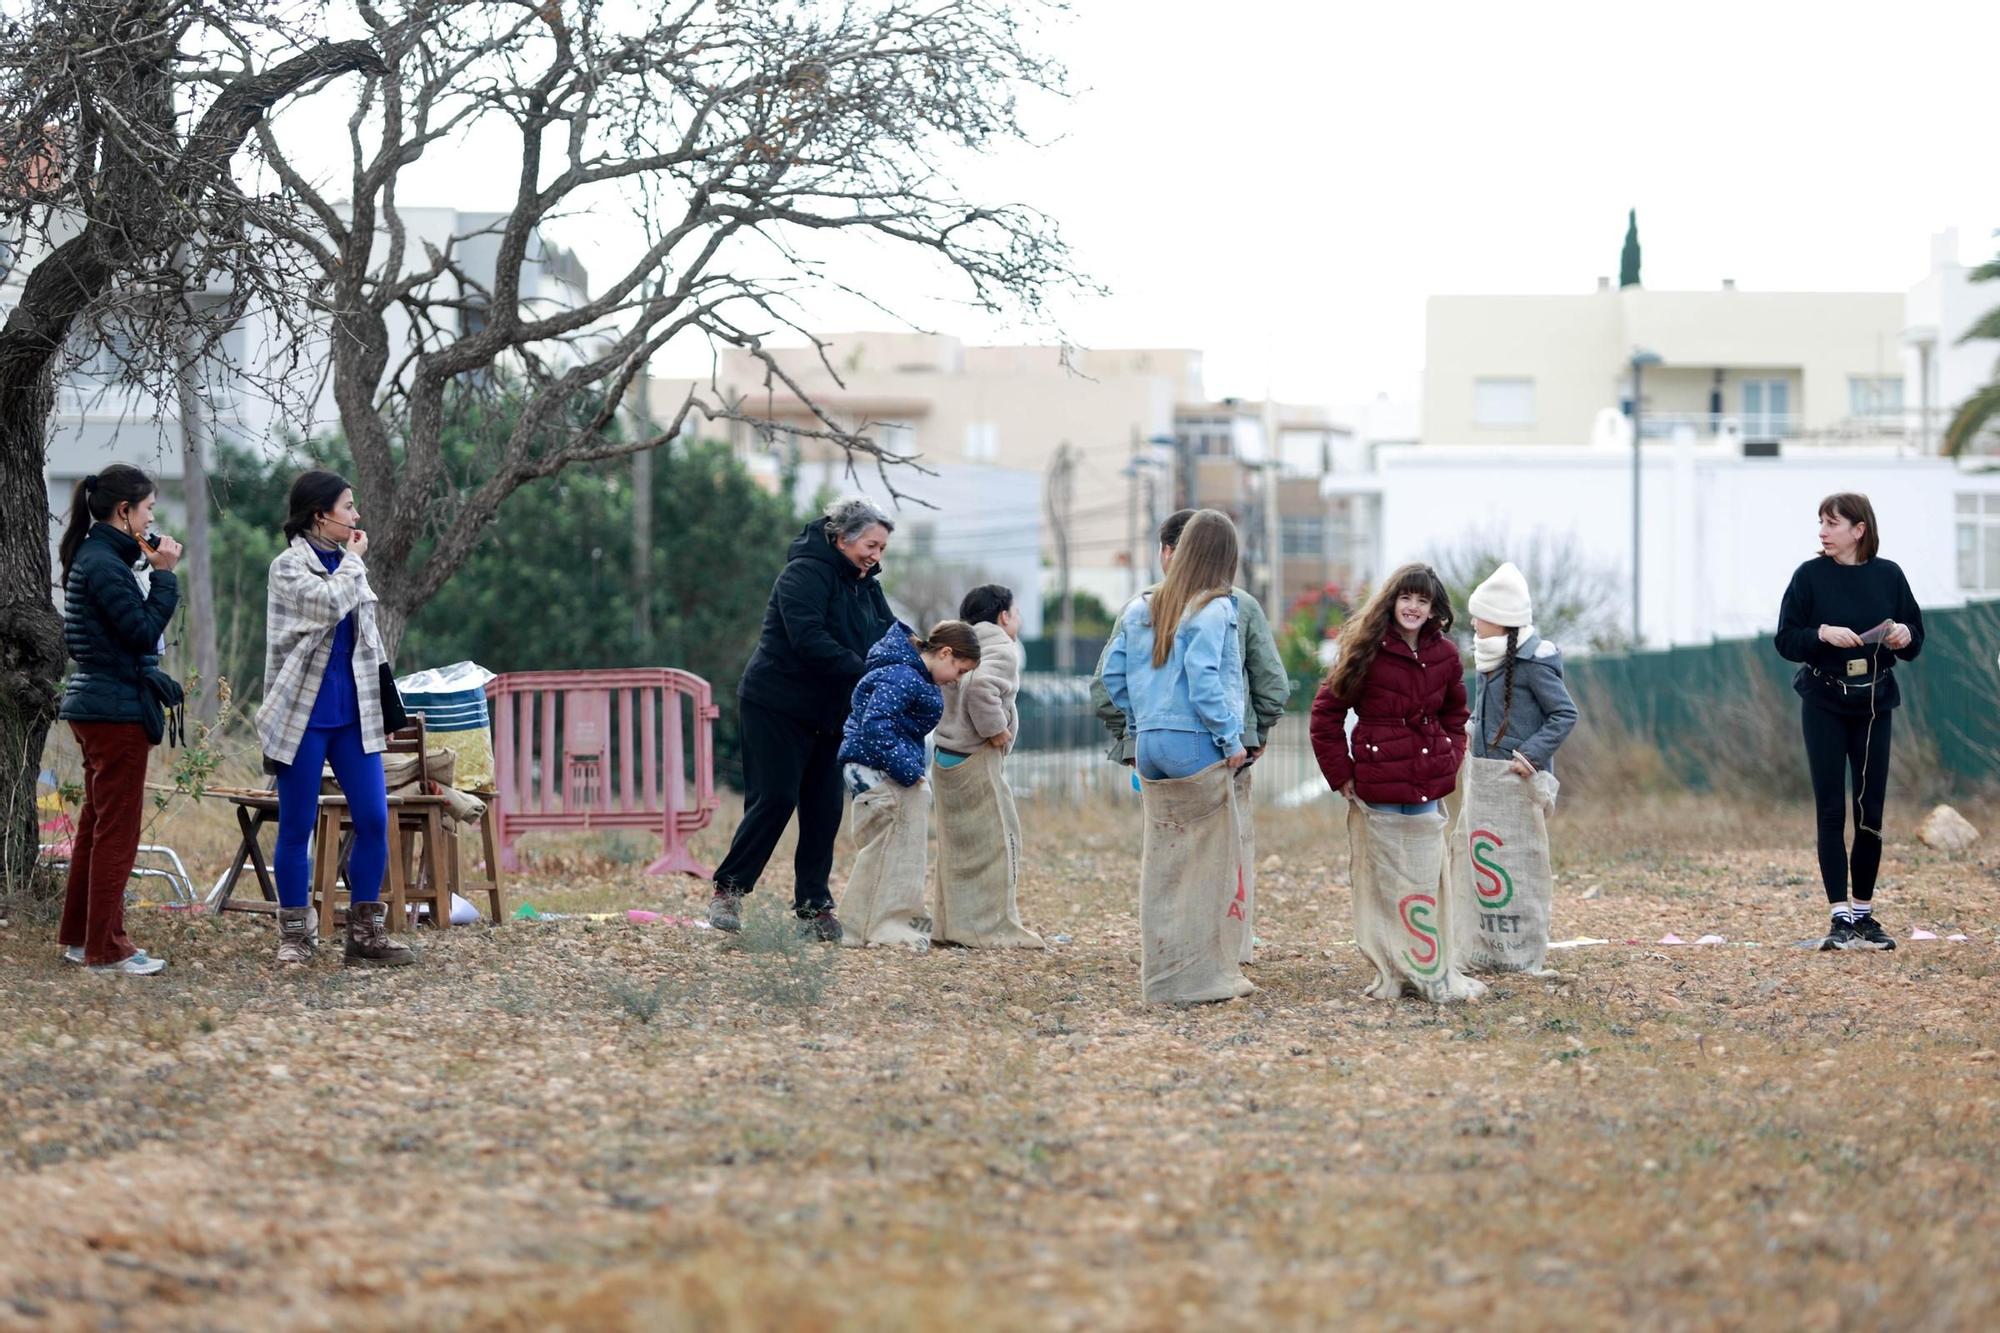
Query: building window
(1302, 536)
(1503, 402)
(982, 440)
(1767, 409)
(922, 538)
(1875, 396)
(1979, 543)
(896, 438)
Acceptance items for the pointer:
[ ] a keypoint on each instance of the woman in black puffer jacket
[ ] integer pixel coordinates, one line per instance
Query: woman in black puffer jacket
(112, 631)
(826, 611)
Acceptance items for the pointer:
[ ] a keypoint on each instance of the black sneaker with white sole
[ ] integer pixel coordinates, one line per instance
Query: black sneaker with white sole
(1868, 934)
(1842, 936)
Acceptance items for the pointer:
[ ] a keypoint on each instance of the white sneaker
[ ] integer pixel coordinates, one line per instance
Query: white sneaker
(74, 954)
(138, 965)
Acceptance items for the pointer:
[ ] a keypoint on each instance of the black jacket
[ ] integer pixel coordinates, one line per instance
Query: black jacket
(112, 632)
(823, 617)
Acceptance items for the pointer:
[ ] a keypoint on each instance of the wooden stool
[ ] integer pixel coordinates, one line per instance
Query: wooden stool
(414, 817)
(333, 840)
(496, 902)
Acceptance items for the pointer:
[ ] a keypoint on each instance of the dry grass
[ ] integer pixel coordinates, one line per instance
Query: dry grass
(596, 1125)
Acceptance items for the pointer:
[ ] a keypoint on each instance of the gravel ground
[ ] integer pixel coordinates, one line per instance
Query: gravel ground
(581, 1124)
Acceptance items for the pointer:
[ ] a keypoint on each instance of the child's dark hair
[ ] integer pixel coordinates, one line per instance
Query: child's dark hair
(314, 493)
(1506, 686)
(1174, 525)
(95, 500)
(985, 604)
(953, 634)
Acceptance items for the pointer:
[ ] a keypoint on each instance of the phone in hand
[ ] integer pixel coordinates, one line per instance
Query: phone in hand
(152, 539)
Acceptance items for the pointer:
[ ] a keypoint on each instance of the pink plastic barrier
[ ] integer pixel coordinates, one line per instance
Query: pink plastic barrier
(605, 749)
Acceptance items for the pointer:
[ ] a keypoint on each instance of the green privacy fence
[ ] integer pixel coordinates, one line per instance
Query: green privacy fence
(1719, 711)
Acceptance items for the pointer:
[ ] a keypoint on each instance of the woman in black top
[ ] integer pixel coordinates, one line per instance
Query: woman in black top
(1847, 618)
(826, 611)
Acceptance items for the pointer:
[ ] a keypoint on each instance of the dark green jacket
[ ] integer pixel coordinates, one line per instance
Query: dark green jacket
(1267, 684)
(111, 629)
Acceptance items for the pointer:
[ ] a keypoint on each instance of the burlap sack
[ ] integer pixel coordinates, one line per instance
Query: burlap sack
(979, 856)
(1246, 844)
(1402, 918)
(1191, 894)
(884, 902)
(1500, 882)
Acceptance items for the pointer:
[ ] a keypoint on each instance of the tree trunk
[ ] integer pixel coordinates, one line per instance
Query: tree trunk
(196, 571)
(31, 641)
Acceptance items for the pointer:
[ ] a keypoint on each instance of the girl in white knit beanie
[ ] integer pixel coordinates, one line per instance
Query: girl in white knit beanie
(1522, 710)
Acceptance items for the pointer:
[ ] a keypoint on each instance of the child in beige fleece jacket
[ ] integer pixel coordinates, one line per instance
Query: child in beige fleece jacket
(978, 827)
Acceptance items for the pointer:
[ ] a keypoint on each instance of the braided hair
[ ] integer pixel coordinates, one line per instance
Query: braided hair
(1506, 687)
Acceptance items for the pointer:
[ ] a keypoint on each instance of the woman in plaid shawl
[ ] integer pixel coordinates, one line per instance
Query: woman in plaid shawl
(323, 661)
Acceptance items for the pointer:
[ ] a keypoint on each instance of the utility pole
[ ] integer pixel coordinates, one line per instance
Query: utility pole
(1134, 557)
(1274, 549)
(1057, 499)
(1640, 360)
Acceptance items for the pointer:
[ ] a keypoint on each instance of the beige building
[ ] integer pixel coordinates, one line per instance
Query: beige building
(942, 402)
(1766, 367)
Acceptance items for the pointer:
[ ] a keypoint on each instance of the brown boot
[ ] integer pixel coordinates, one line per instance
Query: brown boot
(368, 942)
(295, 935)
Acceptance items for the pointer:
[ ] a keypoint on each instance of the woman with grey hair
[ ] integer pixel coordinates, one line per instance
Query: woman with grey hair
(826, 611)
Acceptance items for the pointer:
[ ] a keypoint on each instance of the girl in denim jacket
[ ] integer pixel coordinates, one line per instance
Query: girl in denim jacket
(1174, 666)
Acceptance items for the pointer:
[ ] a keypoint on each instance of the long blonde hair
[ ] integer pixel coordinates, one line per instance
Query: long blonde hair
(1203, 568)
(1361, 636)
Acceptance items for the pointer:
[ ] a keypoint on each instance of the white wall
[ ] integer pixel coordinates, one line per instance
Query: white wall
(1721, 534)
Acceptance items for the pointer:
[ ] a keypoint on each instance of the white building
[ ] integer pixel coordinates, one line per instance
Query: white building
(1755, 407)
(100, 420)
(1719, 533)
(1942, 371)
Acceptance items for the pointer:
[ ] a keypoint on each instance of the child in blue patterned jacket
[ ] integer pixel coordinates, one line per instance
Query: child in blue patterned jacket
(895, 706)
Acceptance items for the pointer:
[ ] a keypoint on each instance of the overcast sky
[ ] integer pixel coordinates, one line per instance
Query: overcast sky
(1281, 183)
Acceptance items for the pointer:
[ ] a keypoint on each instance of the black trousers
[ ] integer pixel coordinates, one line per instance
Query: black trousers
(1839, 747)
(788, 765)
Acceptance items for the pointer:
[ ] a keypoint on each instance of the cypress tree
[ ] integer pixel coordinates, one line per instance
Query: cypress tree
(1628, 259)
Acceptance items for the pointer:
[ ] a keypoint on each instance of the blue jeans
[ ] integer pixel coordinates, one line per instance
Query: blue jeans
(1397, 808)
(360, 777)
(1176, 754)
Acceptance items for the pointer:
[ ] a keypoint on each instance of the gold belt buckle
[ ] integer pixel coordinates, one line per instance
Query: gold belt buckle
(1857, 666)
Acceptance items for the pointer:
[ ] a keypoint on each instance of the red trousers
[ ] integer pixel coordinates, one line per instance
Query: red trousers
(107, 838)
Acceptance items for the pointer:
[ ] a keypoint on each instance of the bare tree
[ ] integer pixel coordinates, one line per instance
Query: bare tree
(119, 123)
(1579, 602)
(749, 144)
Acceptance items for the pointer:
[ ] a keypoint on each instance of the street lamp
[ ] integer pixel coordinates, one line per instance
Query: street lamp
(1641, 358)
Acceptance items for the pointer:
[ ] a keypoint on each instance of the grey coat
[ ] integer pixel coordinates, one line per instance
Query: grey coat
(1542, 712)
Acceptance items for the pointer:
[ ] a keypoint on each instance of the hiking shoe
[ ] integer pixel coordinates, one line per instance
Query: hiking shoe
(1842, 936)
(819, 923)
(725, 911)
(138, 965)
(295, 936)
(368, 943)
(1868, 934)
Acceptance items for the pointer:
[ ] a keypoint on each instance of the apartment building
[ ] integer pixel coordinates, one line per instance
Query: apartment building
(1766, 367)
(947, 404)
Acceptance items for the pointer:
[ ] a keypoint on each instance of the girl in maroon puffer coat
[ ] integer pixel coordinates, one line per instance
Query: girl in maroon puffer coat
(1400, 673)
